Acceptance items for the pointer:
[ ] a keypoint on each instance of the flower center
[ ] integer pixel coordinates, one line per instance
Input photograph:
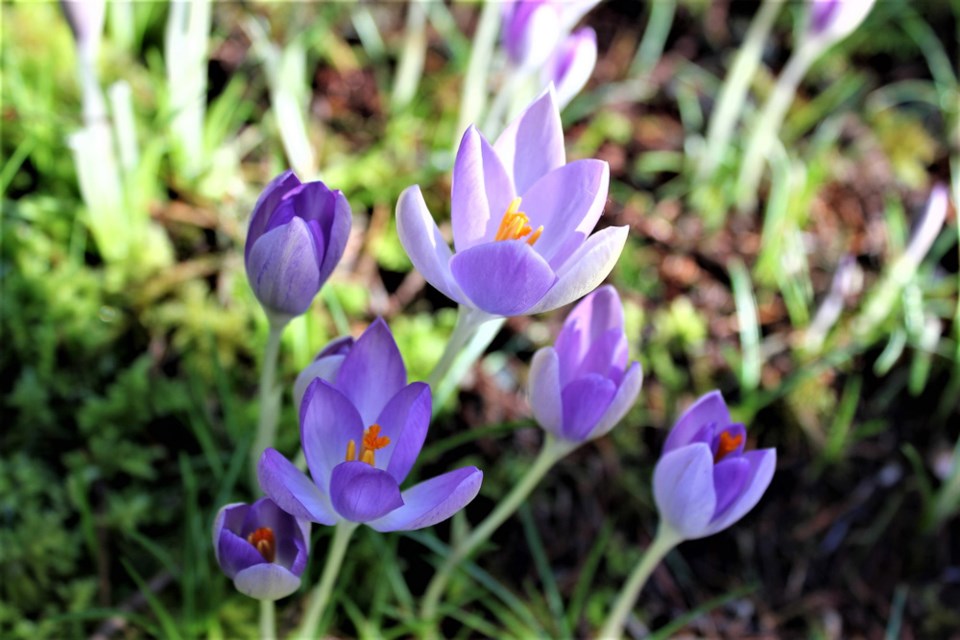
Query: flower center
(515, 225)
(372, 440)
(263, 541)
(728, 444)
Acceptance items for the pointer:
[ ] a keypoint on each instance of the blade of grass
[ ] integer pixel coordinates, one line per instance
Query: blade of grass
(547, 579)
(167, 623)
(587, 571)
(749, 327)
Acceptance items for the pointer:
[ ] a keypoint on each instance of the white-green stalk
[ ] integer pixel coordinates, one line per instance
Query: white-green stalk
(410, 68)
(185, 55)
(270, 397)
(268, 620)
(321, 593)
(474, 98)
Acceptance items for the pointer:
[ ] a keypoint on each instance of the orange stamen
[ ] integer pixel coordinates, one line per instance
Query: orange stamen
(264, 542)
(728, 444)
(372, 441)
(515, 225)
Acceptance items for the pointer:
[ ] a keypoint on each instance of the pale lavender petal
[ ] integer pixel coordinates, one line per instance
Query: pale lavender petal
(729, 477)
(544, 384)
(292, 490)
(480, 193)
(535, 35)
(266, 204)
(595, 315)
(361, 493)
(622, 402)
(404, 420)
(229, 517)
(328, 422)
(567, 202)
(336, 233)
(266, 582)
(502, 278)
(283, 269)
(236, 554)
(432, 501)
(584, 403)
(532, 145)
(572, 65)
(422, 241)
(585, 269)
(709, 409)
(607, 356)
(373, 371)
(325, 368)
(763, 462)
(683, 489)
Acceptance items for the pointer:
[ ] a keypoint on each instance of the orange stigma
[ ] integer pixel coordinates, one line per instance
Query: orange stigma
(372, 441)
(728, 444)
(263, 541)
(515, 225)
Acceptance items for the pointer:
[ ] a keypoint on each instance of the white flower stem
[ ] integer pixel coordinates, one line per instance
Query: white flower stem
(552, 451)
(268, 620)
(472, 334)
(474, 95)
(269, 397)
(321, 594)
(665, 540)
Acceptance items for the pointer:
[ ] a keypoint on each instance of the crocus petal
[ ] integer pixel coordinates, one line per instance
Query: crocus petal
(337, 233)
(229, 517)
(480, 193)
(729, 477)
(361, 492)
(266, 581)
(584, 402)
(708, 409)
(538, 34)
(404, 420)
(567, 202)
(595, 315)
(324, 369)
(283, 270)
(236, 554)
(545, 390)
(292, 490)
(432, 501)
(762, 462)
(572, 65)
(502, 278)
(532, 145)
(328, 422)
(422, 241)
(266, 204)
(606, 356)
(683, 489)
(373, 371)
(622, 402)
(585, 269)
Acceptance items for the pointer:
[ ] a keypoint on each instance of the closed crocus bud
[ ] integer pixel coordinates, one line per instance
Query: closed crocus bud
(261, 548)
(325, 366)
(571, 65)
(705, 481)
(297, 235)
(582, 387)
(834, 20)
(533, 28)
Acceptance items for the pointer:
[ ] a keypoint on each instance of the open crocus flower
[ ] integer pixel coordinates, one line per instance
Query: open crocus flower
(361, 434)
(521, 220)
(582, 387)
(297, 235)
(533, 28)
(571, 65)
(704, 481)
(261, 548)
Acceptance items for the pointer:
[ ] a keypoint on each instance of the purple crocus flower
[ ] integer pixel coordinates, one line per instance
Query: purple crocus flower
(297, 235)
(510, 261)
(571, 65)
(704, 481)
(834, 20)
(261, 548)
(361, 434)
(533, 28)
(582, 387)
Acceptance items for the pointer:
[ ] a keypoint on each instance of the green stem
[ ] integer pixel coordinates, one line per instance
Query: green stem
(552, 451)
(735, 86)
(475, 81)
(472, 334)
(665, 540)
(268, 620)
(769, 122)
(269, 397)
(321, 594)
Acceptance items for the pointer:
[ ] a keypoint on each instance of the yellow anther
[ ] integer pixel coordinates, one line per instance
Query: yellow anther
(515, 225)
(535, 236)
(264, 542)
(372, 441)
(367, 456)
(351, 451)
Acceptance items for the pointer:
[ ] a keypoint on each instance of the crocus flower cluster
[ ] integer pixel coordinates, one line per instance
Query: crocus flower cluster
(261, 548)
(536, 36)
(361, 429)
(705, 481)
(522, 218)
(297, 235)
(582, 387)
